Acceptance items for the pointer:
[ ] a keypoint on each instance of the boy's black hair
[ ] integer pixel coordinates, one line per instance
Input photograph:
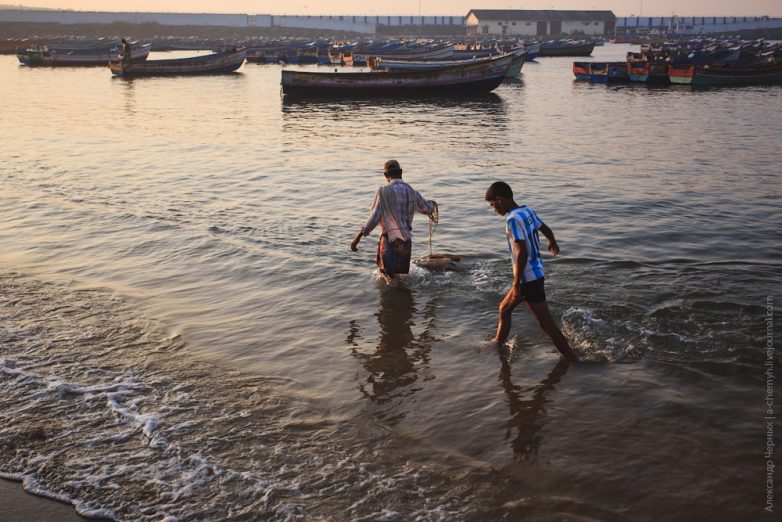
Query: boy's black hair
(499, 189)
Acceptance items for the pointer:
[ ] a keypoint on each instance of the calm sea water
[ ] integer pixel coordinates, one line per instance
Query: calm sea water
(184, 331)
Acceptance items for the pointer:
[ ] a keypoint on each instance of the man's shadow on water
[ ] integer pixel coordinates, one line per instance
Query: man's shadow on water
(527, 414)
(401, 359)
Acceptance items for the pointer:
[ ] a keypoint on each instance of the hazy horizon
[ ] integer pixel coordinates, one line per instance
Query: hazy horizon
(424, 7)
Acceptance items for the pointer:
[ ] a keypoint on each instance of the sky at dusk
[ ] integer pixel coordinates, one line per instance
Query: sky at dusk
(427, 7)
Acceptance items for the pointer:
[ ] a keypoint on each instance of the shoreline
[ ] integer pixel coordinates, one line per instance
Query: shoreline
(17, 505)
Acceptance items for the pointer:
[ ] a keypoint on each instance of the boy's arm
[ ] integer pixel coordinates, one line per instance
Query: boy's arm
(519, 263)
(553, 247)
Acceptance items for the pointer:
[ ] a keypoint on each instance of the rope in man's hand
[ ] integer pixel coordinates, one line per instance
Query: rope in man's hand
(434, 219)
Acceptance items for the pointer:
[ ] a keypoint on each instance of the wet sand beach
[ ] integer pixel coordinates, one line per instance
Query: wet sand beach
(18, 506)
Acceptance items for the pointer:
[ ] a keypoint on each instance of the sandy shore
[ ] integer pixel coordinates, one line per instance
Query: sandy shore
(18, 506)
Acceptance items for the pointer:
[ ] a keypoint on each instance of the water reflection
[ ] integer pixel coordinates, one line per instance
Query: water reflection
(487, 101)
(401, 358)
(527, 414)
(455, 118)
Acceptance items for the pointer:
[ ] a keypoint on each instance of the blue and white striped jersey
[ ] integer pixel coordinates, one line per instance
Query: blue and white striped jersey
(522, 224)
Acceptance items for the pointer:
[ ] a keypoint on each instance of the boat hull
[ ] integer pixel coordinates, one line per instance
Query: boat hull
(608, 72)
(680, 75)
(79, 58)
(568, 50)
(459, 80)
(726, 76)
(217, 63)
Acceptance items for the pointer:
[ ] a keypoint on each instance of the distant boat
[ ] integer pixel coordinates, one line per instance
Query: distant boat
(533, 51)
(80, 55)
(421, 53)
(514, 71)
(478, 77)
(608, 72)
(581, 70)
(601, 72)
(214, 63)
(566, 48)
(681, 74)
(717, 75)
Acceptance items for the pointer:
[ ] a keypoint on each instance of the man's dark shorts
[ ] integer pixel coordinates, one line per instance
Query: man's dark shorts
(394, 257)
(533, 291)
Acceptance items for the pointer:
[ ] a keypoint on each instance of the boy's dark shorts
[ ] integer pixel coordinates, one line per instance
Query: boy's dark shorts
(394, 257)
(533, 291)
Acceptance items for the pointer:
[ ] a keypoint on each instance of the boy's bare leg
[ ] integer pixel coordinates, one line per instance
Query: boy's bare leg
(542, 313)
(506, 310)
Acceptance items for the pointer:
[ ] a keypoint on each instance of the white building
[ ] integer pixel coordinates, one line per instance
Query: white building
(528, 22)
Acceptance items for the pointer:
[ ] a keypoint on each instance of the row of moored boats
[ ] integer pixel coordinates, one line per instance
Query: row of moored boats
(702, 63)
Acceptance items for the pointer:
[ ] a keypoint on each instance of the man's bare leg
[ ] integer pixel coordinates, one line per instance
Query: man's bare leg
(542, 313)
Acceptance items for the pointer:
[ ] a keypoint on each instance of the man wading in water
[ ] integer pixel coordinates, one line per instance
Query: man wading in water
(522, 225)
(394, 206)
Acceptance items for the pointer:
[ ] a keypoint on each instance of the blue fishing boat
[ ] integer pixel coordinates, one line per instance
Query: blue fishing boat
(608, 72)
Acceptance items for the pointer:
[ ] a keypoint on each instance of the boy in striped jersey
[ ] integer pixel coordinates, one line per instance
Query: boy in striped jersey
(522, 226)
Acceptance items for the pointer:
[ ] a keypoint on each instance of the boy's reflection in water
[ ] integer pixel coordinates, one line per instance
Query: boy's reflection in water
(527, 415)
(401, 358)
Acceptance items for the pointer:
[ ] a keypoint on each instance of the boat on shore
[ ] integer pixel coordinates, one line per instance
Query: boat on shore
(473, 78)
(80, 55)
(214, 63)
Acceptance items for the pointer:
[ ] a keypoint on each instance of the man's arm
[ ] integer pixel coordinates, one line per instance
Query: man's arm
(372, 221)
(553, 247)
(423, 206)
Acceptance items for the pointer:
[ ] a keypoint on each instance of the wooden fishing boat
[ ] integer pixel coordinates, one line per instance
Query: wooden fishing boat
(648, 72)
(472, 78)
(533, 51)
(581, 70)
(717, 75)
(560, 48)
(213, 63)
(75, 56)
(514, 71)
(423, 53)
(608, 72)
(681, 74)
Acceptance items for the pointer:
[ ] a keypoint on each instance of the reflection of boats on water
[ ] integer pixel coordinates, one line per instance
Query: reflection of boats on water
(390, 116)
(489, 102)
